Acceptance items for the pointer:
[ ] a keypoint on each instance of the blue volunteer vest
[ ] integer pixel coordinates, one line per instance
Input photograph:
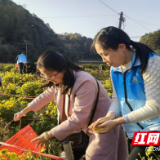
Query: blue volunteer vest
(22, 58)
(131, 95)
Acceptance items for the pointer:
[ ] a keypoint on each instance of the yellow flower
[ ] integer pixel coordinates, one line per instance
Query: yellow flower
(98, 129)
(47, 112)
(3, 101)
(3, 152)
(13, 156)
(43, 150)
(22, 102)
(52, 112)
(55, 107)
(149, 150)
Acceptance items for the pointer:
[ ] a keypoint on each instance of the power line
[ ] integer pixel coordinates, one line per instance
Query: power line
(138, 23)
(125, 15)
(149, 23)
(78, 16)
(109, 7)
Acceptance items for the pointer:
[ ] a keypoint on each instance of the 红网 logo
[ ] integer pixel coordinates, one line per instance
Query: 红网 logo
(146, 138)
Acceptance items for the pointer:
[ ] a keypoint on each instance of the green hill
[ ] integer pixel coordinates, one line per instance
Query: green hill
(152, 40)
(19, 29)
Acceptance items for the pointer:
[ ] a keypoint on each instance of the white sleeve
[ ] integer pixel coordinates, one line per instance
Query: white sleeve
(152, 91)
(114, 107)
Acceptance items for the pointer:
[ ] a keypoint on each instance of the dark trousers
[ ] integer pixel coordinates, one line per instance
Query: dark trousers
(78, 154)
(20, 67)
(135, 150)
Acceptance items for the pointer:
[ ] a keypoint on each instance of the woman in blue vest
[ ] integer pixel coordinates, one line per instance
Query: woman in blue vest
(135, 74)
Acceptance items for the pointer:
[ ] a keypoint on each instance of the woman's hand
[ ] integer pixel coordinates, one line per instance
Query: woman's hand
(98, 122)
(18, 115)
(109, 116)
(107, 125)
(43, 139)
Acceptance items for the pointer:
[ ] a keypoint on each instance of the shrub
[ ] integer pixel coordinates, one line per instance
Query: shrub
(11, 106)
(104, 66)
(8, 67)
(31, 88)
(108, 87)
(90, 66)
(10, 88)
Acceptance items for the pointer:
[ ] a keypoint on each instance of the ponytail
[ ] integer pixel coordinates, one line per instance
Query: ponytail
(142, 51)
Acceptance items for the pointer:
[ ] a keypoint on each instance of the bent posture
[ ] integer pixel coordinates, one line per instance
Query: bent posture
(75, 93)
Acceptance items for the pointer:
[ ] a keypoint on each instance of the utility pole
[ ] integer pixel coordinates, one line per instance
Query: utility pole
(27, 43)
(26, 49)
(120, 20)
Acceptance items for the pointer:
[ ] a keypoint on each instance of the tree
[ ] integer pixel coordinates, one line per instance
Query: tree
(152, 40)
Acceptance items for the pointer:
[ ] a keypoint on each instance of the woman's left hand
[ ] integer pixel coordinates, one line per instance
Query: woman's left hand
(107, 126)
(41, 140)
(98, 122)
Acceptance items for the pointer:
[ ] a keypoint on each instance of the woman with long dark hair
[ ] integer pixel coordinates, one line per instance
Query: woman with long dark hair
(135, 74)
(75, 94)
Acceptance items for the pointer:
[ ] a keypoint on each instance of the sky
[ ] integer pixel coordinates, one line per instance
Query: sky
(87, 17)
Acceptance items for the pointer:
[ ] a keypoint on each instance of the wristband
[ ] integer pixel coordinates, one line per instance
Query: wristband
(45, 136)
(22, 113)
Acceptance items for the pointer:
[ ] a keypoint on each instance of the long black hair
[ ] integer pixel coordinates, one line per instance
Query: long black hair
(54, 61)
(111, 37)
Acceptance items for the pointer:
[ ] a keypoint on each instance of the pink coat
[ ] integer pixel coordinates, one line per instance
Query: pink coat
(79, 103)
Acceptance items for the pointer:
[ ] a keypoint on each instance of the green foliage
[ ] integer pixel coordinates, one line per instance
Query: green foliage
(48, 120)
(47, 115)
(10, 106)
(104, 66)
(6, 155)
(151, 40)
(90, 66)
(157, 51)
(108, 87)
(10, 88)
(98, 74)
(77, 47)
(150, 154)
(31, 88)
(17, 26)
(8, 67)
(28, 85)
(18, 79)
(95, 66)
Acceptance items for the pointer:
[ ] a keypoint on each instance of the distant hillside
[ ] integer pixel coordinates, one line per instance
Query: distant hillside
(78, 47)
(19, 28)
(16, 26)
(152, 40)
